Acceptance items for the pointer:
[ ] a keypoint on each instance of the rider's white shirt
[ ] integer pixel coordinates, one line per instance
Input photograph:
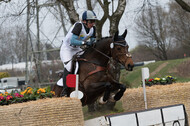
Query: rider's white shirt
(67, 51)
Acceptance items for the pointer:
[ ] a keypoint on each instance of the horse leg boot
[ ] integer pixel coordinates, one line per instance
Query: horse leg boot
(65, 88)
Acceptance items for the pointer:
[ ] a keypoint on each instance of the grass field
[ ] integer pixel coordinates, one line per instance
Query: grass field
(133, 79)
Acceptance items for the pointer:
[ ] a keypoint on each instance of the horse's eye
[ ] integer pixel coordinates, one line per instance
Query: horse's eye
(118, 48)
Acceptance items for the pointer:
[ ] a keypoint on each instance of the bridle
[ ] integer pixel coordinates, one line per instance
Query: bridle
(105, 55)
(128, 55)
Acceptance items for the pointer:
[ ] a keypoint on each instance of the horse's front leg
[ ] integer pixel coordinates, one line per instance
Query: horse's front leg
(107, 90)
(95, 91)
(121, 91)
(118, 91)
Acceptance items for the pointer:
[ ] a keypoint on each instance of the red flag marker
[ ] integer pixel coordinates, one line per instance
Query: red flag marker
(71, 80)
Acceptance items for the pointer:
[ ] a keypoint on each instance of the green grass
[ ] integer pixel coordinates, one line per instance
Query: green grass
(133, 79)
(102, 112)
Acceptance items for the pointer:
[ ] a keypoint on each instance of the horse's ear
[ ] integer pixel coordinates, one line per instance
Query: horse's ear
(125, 33)
(116, 35)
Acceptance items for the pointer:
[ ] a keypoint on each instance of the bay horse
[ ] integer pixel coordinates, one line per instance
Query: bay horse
(96, 71)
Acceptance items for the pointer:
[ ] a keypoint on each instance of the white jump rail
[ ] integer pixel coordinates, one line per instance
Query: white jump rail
(174, 115)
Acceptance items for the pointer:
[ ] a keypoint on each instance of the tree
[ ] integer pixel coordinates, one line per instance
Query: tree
(114, 18)
(152, 28)
(5, 47)
(6, 1)
(12, 45)
(184, 5)
(180, 28)
(19, 46)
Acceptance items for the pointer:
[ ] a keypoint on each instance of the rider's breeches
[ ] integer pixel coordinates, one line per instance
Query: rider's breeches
(66, 55)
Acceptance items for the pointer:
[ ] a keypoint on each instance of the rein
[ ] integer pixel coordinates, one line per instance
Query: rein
(101, 53)
(98, 66)
(116, 43)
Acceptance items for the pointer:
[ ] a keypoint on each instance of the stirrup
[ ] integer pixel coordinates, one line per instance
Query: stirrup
(64, 92)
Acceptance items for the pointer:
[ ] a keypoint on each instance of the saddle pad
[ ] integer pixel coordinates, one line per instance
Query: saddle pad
(60, 82)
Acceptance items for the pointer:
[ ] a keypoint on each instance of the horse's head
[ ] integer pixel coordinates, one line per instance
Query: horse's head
(119, 50)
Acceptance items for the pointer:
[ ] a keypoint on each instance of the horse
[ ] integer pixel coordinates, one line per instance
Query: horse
(96, 71)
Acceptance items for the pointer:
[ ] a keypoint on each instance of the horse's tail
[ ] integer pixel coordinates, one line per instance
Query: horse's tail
(52, 87)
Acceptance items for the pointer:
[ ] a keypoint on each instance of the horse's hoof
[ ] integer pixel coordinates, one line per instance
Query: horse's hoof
(111, 98)
(101, 101)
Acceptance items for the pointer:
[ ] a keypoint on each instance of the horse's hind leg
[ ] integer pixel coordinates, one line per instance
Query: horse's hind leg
(57, 89)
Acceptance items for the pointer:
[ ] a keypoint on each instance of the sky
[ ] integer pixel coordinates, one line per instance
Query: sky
(50, 26)
(130, 16)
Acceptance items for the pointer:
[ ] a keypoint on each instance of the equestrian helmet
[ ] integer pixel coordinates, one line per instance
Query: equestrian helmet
(89, 15)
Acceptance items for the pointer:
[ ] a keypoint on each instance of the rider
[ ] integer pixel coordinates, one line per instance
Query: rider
(76, 37)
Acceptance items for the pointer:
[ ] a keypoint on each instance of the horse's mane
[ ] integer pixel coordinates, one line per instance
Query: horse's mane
(103, 38)
(100, 43)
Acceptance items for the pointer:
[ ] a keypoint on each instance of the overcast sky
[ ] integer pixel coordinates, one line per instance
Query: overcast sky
(50, 25)
(129, 18)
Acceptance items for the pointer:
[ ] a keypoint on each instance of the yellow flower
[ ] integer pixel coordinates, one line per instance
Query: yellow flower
(169, 76)
(27, 91)
(157, 78)
(30, 91)
(22, 93)
(41, 90)
(53, 92)
(1, 94)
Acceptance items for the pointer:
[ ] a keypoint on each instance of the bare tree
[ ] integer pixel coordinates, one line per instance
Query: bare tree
(5, 48)
(152, 28)
(12, 45)
(19, 46)
(114, 18)
(180, 20)
(184, 5)
(6, 1)
(69, 6)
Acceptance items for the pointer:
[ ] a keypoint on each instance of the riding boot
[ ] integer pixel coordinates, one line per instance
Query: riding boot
(65, 88)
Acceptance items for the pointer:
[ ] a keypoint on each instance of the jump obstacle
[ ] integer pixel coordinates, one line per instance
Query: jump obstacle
(164, 116)
(43, 112)
(159, 95)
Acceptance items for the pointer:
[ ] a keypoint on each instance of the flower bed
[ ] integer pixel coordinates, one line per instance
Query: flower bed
(160, 81)
(26, 95)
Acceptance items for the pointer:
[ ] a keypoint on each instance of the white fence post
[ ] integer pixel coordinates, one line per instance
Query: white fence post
(145, 75)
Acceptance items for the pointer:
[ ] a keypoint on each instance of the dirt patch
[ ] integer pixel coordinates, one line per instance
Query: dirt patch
(158, 69)
(184, 69)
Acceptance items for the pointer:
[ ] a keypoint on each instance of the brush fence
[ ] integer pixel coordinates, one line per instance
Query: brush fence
(157, 96)
(44, 112)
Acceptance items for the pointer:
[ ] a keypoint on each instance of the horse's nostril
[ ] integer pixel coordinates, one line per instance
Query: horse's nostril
(130, 67)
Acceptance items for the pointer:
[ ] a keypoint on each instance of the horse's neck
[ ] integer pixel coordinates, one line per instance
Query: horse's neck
(100, 54)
